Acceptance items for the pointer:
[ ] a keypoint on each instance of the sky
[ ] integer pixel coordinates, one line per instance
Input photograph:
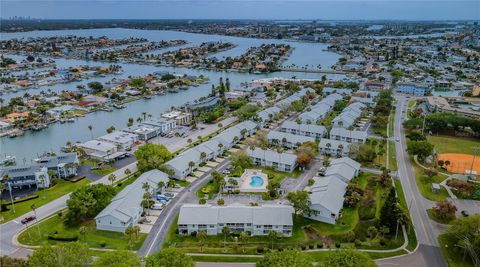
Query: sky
(244, 9)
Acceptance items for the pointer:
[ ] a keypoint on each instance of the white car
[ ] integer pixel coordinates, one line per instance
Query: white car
(398, 139)
(157, 206)
(226, 172)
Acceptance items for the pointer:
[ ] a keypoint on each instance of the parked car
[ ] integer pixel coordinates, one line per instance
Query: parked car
(465, 213)
(28, 219)
(169, 195)
(157, 206)
(226, 172)
(321, 171)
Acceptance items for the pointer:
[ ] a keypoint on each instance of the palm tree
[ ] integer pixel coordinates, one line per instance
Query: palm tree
(191, 164)
(90, 128)
(83, 232)
(112, 178)
(273, 235)
(6, 179)
(225, 232)
(34, 209)
(220, 146)
(203, 155)
(202, 236)
(144, 114)
(243, 132)
(161, 185)
(235, 139)
(340, 149)
(130, 233)
(244, 236)
(127, 172)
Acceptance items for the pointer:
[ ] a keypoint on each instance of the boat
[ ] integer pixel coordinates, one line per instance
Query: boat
(148, 97)
(183, 88)
(38, 127)
(16, 133)
(8, 161)
(70, 120)
(173, 90)
(62, 120)
(118, 106)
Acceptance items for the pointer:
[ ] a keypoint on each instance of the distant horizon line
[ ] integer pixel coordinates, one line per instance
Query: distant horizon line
(193, 19)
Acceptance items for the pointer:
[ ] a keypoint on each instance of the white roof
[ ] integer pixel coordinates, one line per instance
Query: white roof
(346, 160)
(126, 204)
(328, 192)
(98, 145)
(334, 144)
(292, 138)
(119, 137)
(236, 213)
(273, 156)
(348, 133)
(312, 128)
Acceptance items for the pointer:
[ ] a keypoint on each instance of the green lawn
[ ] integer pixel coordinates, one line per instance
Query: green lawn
(104, 170)
(432, 215)
(61, 188)
(453, 258)
(425, 185)
(38, 235)
(392, 160)
(305, 232)
(451, 144)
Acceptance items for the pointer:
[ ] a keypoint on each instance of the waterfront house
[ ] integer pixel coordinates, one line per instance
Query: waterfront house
(164, 125)
(5, 126)
(285, 162)
(287, 140)
(143, 131)
(412, 89)
(100, 150)
(15, 117)
(256, 220)
(334, 147)
(64, 164)
(181, 118)
(349, 136)
(123, 140)
(125, 209)
(310, 130)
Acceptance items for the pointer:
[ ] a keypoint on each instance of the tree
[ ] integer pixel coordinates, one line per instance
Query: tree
(83, 232)
(303, 159)
(391, 214)
(12, 262)
(244, 236)
(422, 149)
(132, 233)
(372, 232)
(111, 178)
(90, 128)
(290, 257)
(152, 156)
(343, 258)
(95, 86)
(301, 203)
(169, 257)
(462, 235)
(6, 179)
(127, 172)
(225, 232)
(273, 235)
(201, 236)
(86, 202)
(117, 258)
(191, 164)
(430, 173)
(445, 210)
(72, 254)
(221, 202)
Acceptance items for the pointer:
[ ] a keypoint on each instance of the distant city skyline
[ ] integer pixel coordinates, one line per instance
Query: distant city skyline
(249, 9)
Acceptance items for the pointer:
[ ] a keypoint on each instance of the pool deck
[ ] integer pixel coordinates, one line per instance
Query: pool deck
(245, 185)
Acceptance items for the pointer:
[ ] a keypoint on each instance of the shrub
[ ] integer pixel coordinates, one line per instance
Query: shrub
(103, 244)
(337, 244)
(320, 245)
(358, 243)
(312, 246)
(65, 238)
(260, 250)
(194, 233)
(78, 179)
(382, 242)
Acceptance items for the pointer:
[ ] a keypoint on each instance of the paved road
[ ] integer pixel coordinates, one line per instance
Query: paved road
(160, 229)
(9, 229)
(428, 253)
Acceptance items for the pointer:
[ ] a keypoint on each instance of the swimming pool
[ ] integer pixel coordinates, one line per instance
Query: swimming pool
(256, 181)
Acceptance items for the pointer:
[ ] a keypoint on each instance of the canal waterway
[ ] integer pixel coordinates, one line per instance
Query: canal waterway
(32, 144)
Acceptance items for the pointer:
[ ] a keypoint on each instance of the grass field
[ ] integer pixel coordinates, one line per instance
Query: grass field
(392, 160)
(61, 188)
(425, 185)
(38, 235)
(412, 238)
(453, 258)
(451, 144)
